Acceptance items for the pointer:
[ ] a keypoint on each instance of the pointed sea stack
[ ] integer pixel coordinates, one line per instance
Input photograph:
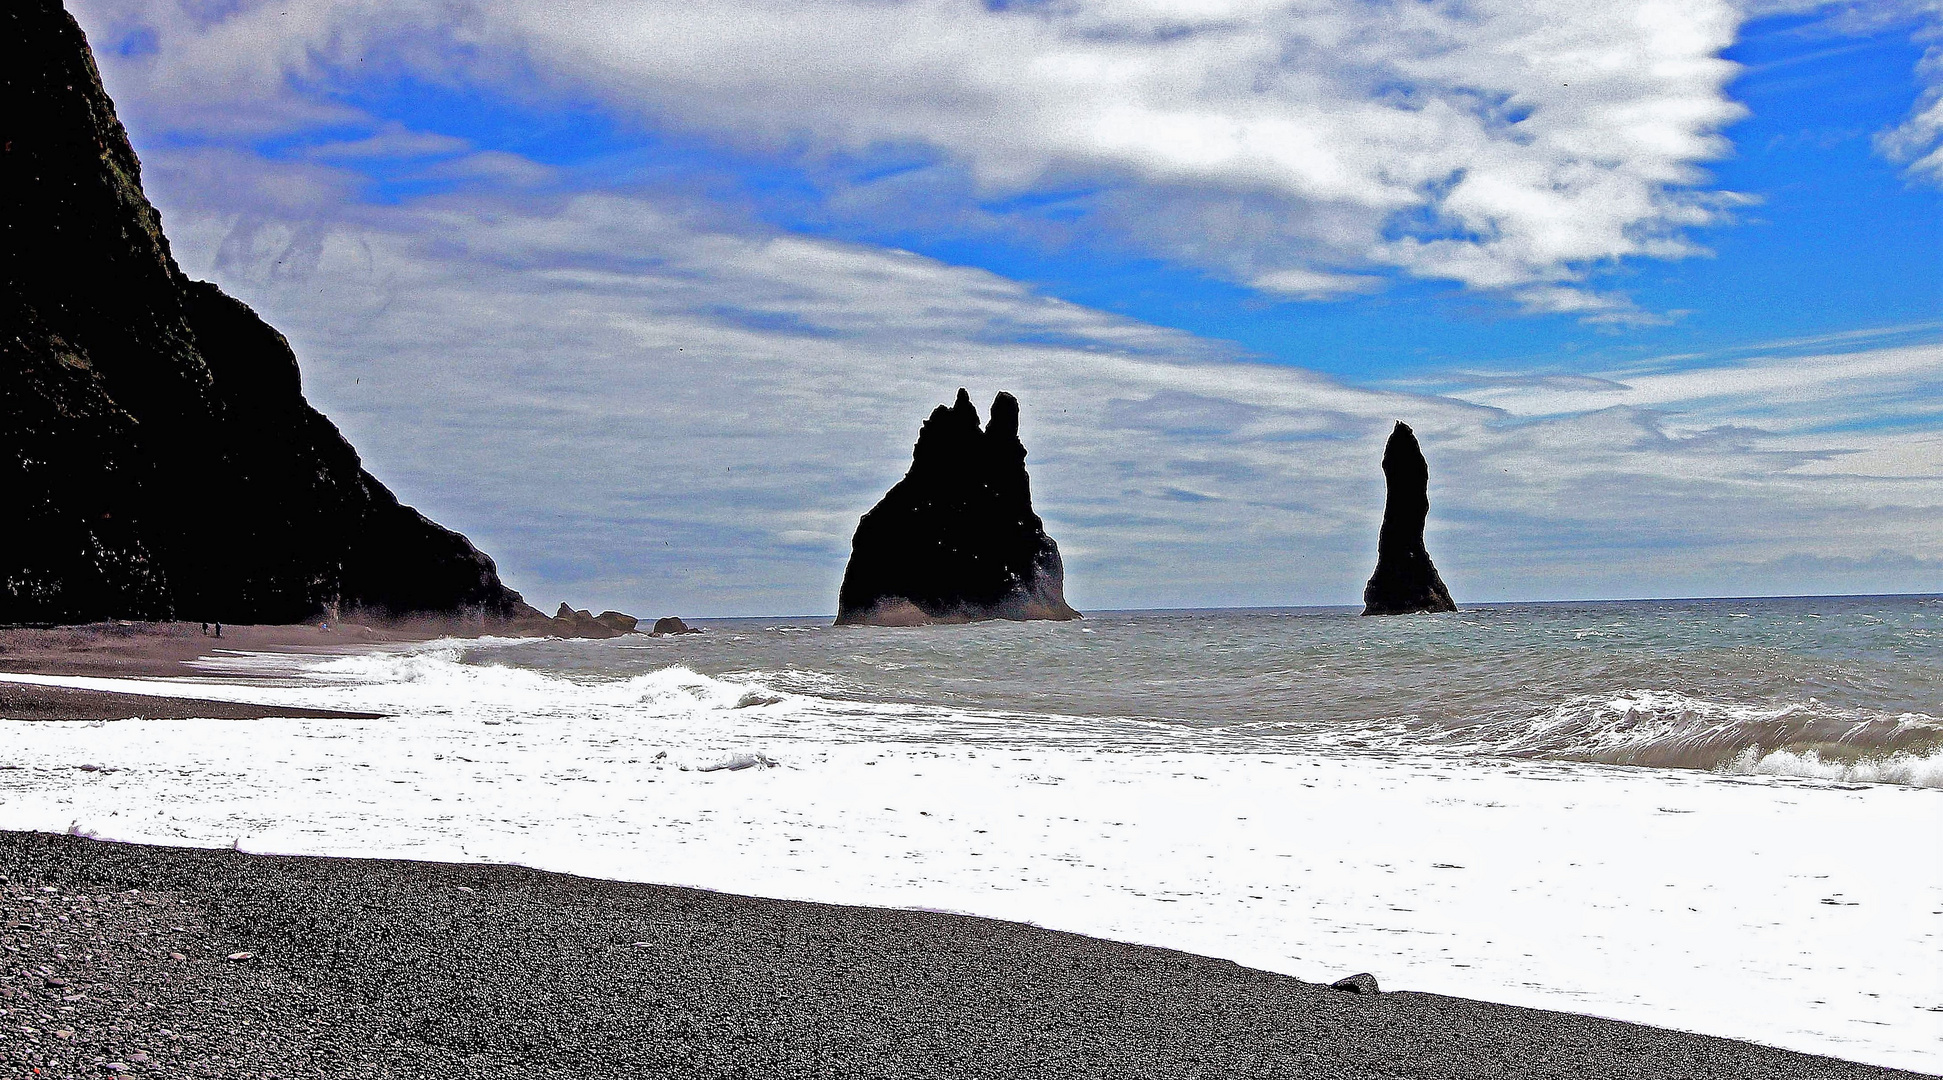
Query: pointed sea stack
(1405, 580)
(157, 457)
(956, 540)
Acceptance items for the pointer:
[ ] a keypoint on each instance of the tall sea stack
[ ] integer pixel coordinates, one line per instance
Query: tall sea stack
(956, 540)
(157, 457)
(1405, 579)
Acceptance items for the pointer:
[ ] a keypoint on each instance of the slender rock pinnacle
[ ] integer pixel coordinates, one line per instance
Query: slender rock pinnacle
(1405, 580)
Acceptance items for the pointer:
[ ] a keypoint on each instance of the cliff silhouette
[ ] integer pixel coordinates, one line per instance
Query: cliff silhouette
(157, 456)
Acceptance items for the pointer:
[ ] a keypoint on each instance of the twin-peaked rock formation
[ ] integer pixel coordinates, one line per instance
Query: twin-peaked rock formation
(1405, 580)
(956, 539)
(157, 457)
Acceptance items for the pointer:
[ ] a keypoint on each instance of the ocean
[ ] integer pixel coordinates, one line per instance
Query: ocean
(1724, 816)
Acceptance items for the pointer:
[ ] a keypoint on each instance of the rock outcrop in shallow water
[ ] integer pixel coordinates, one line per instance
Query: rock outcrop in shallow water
(956, 540)
(1405, 580)
(569, 623)
(157, 457)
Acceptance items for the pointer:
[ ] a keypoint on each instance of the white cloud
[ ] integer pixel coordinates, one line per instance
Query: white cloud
(1918, 141)
(1900, 387)
(393, 140)
(1512, 145)
(1315, 284)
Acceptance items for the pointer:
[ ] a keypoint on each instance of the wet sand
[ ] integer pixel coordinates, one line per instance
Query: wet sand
(145, 650)
(133, 650)
(172, 962)
(25, 701)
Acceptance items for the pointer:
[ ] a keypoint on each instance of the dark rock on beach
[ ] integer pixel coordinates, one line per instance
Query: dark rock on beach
(157, 457)
(118, 953)
(1405, 580)
(956, 540)
(1362, 983)
(669, 624)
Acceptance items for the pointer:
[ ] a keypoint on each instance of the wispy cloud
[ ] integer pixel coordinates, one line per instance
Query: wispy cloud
(1896, 388)
(1917, 142)
(1304, 147)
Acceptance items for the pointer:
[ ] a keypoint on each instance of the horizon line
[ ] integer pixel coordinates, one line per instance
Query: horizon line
(1460, 610)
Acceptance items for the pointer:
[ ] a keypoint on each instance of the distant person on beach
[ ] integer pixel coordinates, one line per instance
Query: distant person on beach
(205, 629)
(219, 628)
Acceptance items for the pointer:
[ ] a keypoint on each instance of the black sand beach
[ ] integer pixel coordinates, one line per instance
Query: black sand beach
(27, 701)
(151, 961)
(133, 650)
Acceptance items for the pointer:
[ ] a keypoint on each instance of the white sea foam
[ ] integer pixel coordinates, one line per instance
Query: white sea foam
(1914, 770)
(1785, 911)
(1668, 729)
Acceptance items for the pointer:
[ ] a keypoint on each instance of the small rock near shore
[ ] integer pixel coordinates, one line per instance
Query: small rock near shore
(672, 625)
(615, 620)
(1360, 983)
(570, 623)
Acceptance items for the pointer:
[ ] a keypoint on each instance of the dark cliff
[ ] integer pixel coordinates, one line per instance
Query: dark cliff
(956, 539)
(157, 457)
(1405, 580)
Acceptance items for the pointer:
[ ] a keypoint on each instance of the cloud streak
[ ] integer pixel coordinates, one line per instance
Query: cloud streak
(1305, 147)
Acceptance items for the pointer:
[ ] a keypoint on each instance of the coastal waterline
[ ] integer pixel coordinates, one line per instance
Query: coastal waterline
(1309, 791)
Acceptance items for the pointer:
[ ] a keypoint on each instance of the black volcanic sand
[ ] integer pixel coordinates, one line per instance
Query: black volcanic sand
(26, 701)
(118, 960)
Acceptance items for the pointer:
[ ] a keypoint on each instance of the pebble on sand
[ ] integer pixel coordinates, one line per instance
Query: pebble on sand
(1360, 983)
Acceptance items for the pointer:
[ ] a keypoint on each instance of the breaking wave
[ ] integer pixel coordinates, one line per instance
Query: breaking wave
(440, 678)
(1637, 727)
(1667, 729)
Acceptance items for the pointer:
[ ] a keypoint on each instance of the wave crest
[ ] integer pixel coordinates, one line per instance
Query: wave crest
(440, 677)
(1667, 729)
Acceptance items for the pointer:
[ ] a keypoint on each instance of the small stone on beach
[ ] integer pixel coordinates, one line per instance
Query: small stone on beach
(1360, 983)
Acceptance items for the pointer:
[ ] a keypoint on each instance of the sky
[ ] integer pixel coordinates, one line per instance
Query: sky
(649, 299)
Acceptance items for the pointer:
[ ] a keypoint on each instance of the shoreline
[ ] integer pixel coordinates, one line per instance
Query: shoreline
(170, 649)
(35, 703)
(356, 967)
(166, 651)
